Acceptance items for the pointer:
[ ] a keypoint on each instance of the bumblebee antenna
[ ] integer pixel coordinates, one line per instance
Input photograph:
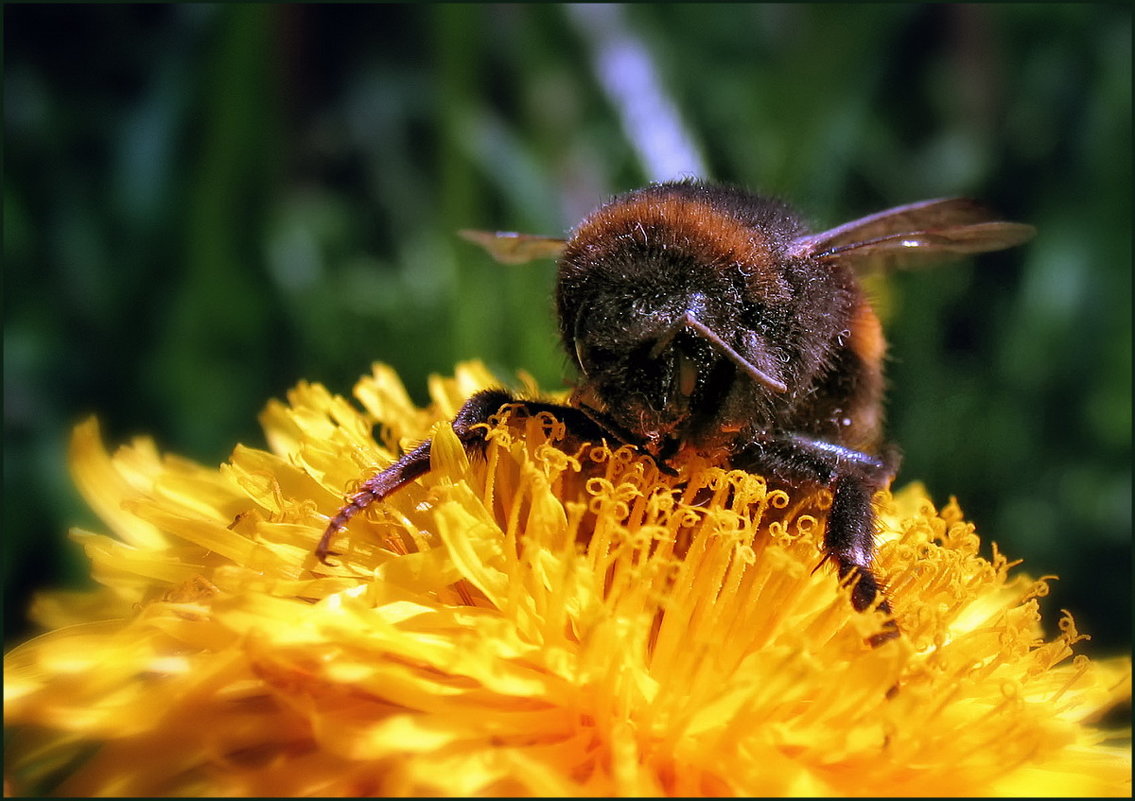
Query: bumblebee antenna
(747, 367)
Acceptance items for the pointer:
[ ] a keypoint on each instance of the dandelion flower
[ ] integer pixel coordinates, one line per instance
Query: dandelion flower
(558, 618)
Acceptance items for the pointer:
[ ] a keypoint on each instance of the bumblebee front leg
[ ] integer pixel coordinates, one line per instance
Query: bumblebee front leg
(853, 477)
(415, 464)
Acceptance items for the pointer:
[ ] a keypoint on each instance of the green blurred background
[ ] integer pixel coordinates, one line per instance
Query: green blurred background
(205, 204)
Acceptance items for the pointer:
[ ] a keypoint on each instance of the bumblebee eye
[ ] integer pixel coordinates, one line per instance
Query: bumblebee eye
(580, 348)
(592, 357)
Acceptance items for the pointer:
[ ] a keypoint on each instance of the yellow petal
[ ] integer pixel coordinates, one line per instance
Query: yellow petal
(541, 620)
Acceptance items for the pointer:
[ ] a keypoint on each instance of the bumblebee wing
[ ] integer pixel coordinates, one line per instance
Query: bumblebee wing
(918, 248)
(924, 215)
(915, 234)
(508, 247)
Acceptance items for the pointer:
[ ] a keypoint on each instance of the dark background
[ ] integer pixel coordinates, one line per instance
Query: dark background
(204, 204)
